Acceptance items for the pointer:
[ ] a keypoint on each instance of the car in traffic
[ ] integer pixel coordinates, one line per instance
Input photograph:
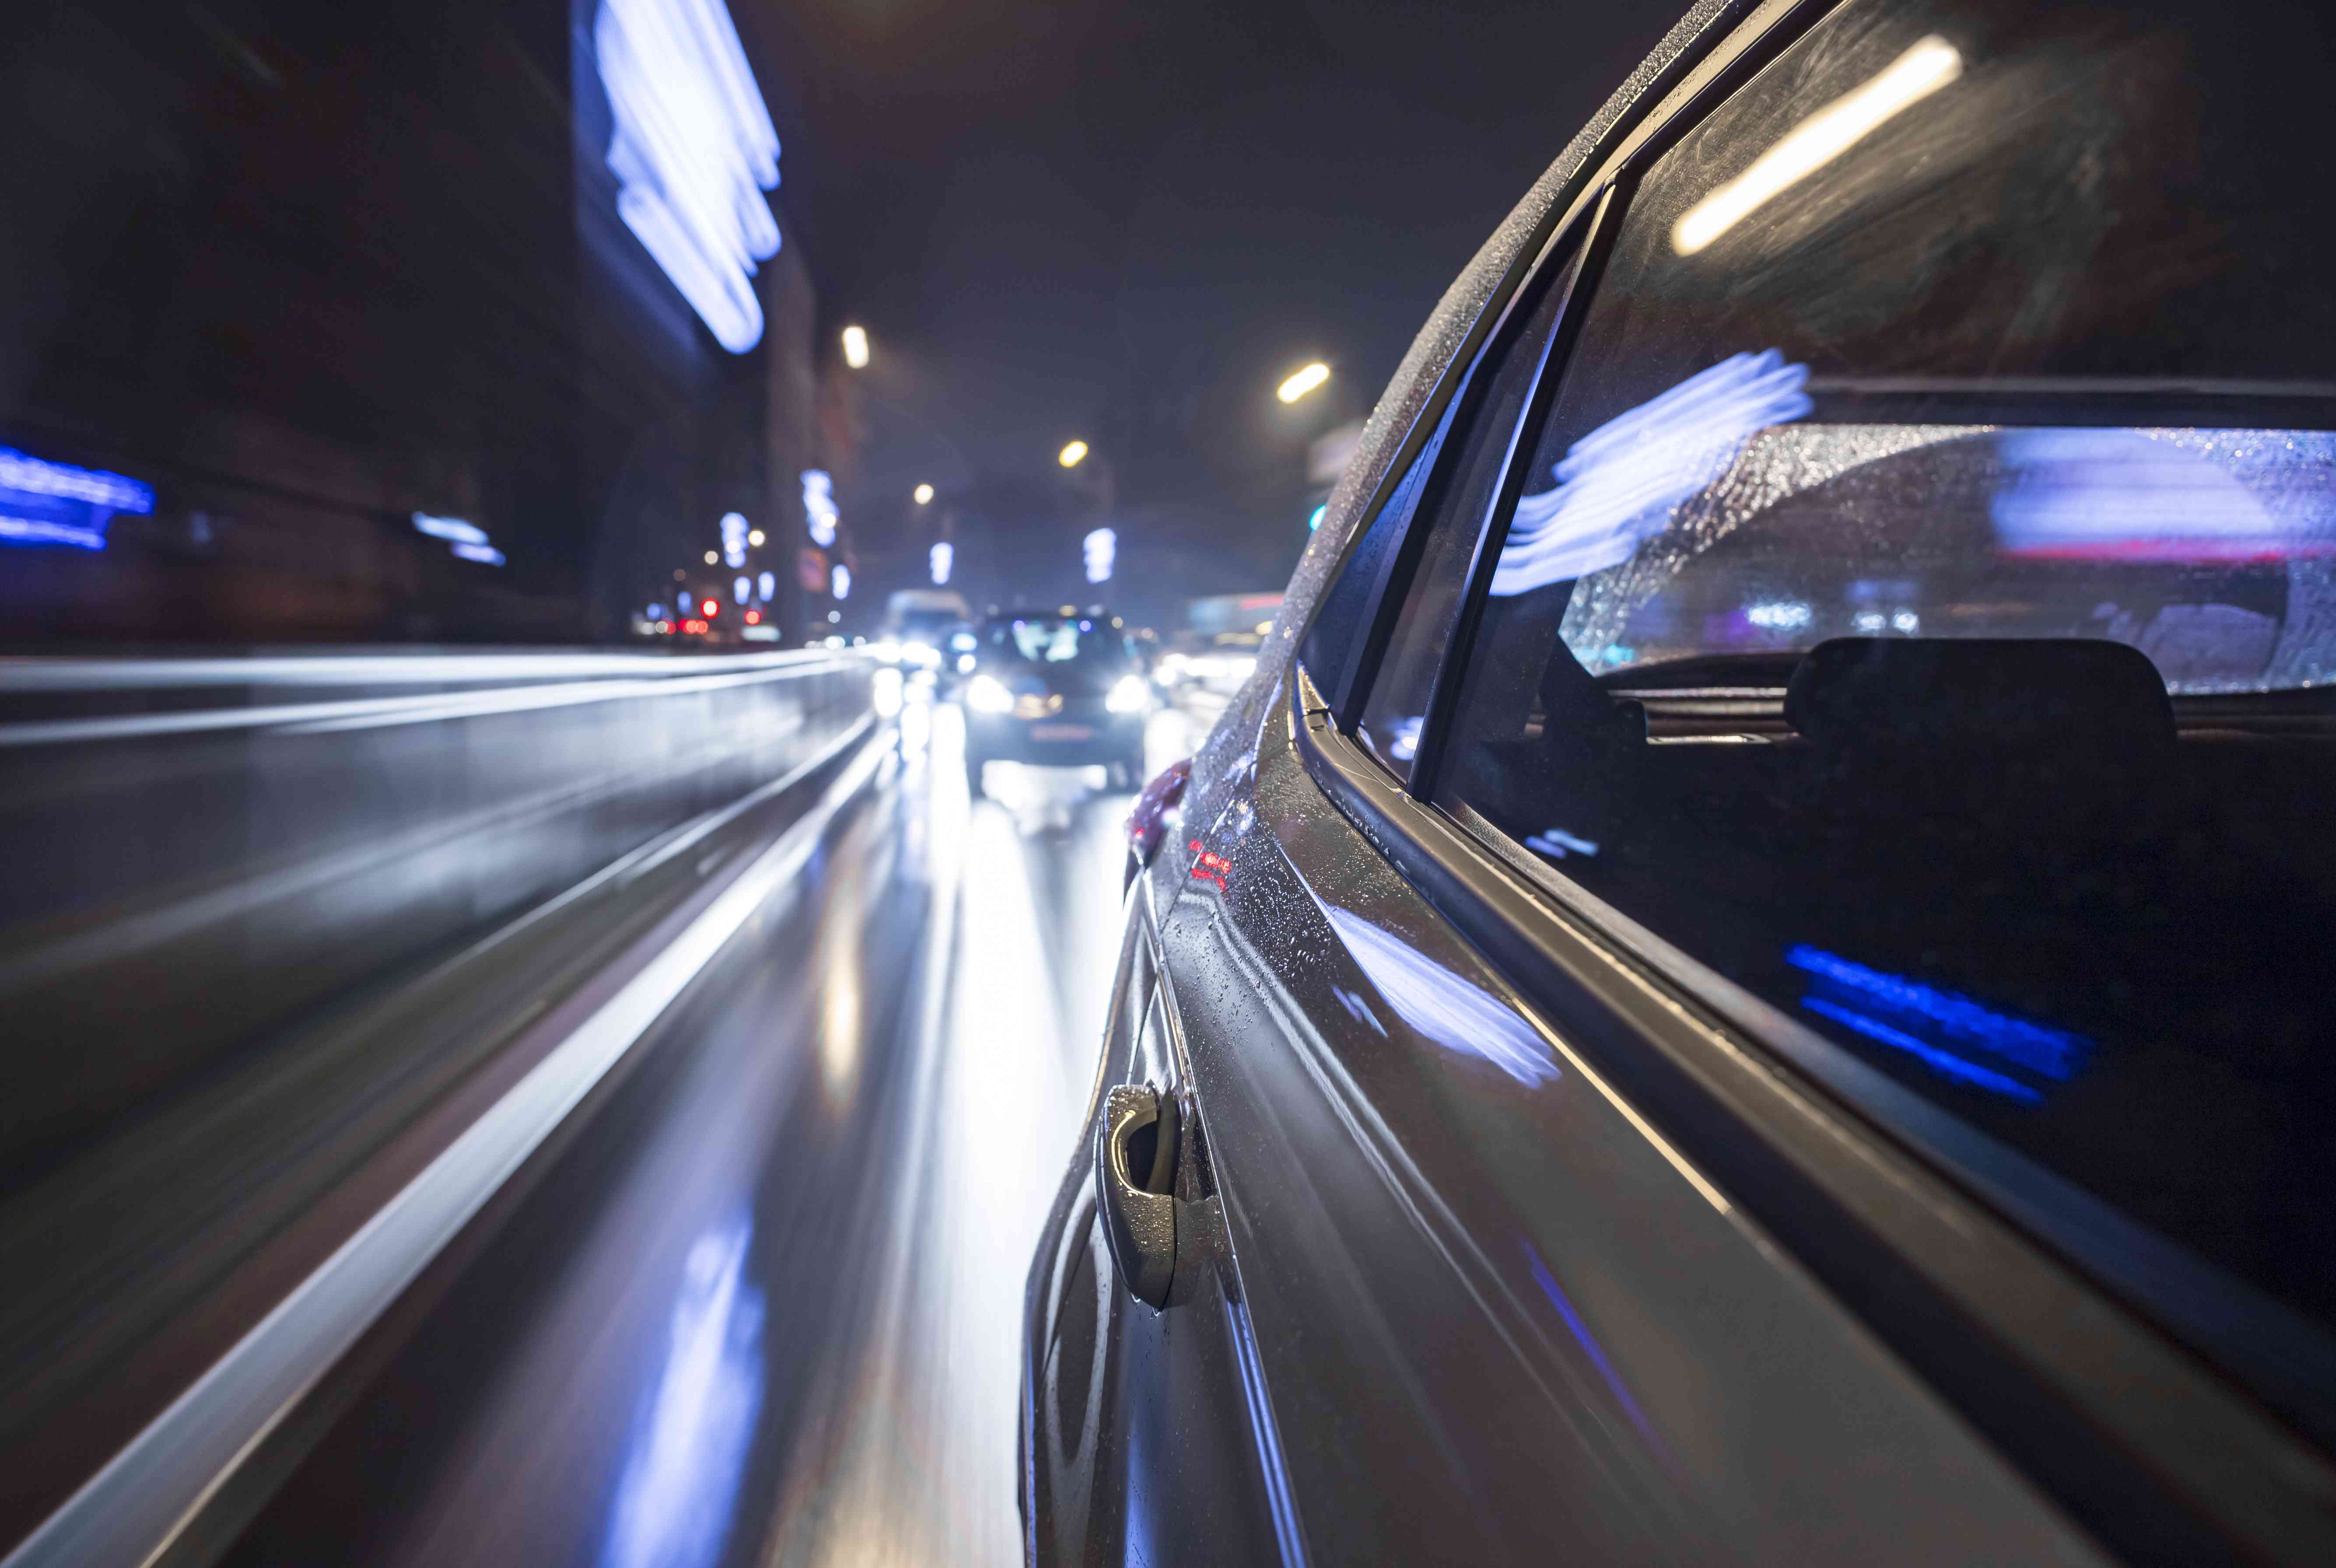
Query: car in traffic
(1059, 688)
(1746, 979)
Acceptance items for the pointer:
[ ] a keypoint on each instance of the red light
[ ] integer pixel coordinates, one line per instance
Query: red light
(710, 608)
(754, 617)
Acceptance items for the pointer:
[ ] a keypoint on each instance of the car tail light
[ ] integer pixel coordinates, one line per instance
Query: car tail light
(1147, 824)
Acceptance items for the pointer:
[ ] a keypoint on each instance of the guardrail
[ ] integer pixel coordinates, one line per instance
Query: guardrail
(197, 849)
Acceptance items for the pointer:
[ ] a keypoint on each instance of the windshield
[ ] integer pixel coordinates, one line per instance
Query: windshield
(1086, 643)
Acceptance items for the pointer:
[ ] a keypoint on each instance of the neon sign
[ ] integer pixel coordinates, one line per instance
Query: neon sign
(694, 149)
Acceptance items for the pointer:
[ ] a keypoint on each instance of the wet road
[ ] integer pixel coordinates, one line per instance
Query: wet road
(764, 1307)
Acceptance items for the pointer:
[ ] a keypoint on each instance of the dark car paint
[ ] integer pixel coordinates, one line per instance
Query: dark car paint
(1429, 1310)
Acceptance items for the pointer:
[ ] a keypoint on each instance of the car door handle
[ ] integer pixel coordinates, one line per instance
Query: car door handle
(1135, 1169)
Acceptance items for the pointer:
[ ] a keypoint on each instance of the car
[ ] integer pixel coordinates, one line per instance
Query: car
(1057, 688)
(1746, 980)
(918, 623)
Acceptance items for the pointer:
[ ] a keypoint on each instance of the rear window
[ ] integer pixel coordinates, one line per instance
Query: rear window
(1923, 588)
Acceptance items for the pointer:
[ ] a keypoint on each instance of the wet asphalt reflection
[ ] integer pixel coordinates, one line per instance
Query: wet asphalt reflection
(765, 1308)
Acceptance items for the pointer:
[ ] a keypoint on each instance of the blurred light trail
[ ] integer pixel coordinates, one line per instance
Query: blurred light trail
(694, 149)
(819, 505)
(1100, 551)
(1442, 1007)
(855, 347)
(46, 503)
(1815, 142)
(941, 557)
(840, 581)
(1619, 485)
(924, 495)
(1303, 382)
(453, 528)
(733, 539)
(486, 555)
(1072, 455)
(680, 1482)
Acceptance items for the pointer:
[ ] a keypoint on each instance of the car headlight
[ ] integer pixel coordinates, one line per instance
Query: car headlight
(988, 694)
(1128, 696)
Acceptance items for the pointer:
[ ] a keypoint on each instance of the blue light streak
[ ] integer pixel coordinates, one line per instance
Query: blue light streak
(1556, 843)
(33, 531)
(1618, 486)
(48, 503)
(1945, 1061)
(2053, 1053)
(1589, 1346)
(695, 149)
(451, 528)
(687, 1454)
(486, 555)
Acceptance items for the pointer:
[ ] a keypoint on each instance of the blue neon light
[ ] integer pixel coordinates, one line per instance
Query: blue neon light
(695, 149)
(1314, 519)
(2053, 1053)
(45, 503)
(1945, 1061)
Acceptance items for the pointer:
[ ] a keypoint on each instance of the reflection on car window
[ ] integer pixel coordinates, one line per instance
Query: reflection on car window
(1922, 597)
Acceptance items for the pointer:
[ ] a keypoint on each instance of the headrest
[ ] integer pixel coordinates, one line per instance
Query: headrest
(2043, 693)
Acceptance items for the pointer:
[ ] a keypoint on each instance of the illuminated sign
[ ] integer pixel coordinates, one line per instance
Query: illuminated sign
(819, 505)
(1100, 551)
(46, 503)
(694, 149)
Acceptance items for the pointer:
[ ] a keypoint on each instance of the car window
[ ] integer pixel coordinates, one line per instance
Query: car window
(1035, 640)
(1349, 605)
(1920, 601)
(1456, 499)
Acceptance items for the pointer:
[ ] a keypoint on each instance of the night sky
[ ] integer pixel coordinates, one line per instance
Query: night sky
(1127, 221)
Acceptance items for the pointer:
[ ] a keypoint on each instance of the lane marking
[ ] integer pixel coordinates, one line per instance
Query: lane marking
(131, 1510)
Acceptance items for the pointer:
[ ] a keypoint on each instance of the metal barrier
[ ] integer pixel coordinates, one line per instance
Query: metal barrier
(197, 849)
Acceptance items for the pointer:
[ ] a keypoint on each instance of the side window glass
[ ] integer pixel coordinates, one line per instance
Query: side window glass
(1458, 497)
(1919, 607)
(1347, 608)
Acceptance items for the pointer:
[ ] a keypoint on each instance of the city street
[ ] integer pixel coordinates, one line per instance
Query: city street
(765, 1307)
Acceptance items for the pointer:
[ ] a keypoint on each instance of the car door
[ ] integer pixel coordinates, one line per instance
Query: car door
(1552, 1236)
(1145, 1439)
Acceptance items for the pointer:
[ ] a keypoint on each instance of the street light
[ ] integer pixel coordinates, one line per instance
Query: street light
(924, 495)
(712, 556)
(855, 348)
(1303, 382)
(1071, 455)
(754, 537)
